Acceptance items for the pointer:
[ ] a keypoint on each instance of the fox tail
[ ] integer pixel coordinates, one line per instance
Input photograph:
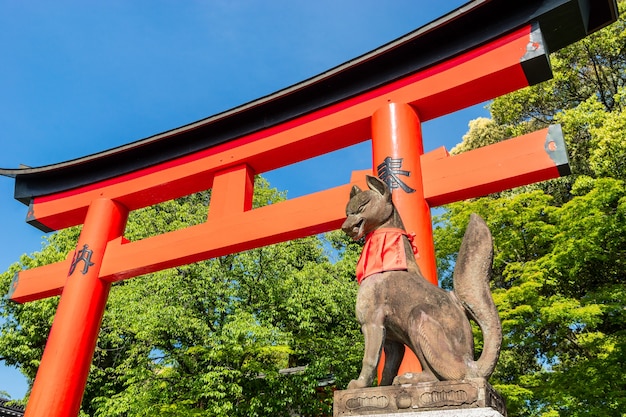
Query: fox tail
(471, 285)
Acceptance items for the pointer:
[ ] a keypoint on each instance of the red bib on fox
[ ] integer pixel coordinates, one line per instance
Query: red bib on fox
(383, 251)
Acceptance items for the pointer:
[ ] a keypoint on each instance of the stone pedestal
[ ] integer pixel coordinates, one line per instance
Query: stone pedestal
(465, 398)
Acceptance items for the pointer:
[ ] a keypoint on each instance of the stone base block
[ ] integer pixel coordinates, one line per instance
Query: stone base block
(469, 397)
(461, 412)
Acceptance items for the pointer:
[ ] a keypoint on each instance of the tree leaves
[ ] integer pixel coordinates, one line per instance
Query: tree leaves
(208, 338)
(560, 246)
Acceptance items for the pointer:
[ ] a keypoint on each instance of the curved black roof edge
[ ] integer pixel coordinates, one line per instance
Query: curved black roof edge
(562, 22)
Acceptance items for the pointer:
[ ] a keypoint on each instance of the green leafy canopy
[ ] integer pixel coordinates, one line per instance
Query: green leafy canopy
(560, 246)
(210, 338)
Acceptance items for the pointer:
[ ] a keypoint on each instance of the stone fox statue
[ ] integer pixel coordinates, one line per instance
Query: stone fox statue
(397, 306)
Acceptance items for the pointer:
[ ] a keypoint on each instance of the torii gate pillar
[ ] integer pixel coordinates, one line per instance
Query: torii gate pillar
(397, 148)
(62, 376)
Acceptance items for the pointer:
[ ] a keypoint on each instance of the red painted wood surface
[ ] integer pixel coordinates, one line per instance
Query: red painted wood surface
(62, 374)
(508, 164)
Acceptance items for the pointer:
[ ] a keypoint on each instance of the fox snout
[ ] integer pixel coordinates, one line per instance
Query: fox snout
(353, 226)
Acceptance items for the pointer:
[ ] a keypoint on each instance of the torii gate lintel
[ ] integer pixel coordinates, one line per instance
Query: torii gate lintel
(529, 158)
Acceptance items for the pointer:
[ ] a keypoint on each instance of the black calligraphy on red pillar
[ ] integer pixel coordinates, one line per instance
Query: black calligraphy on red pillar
(83, 255)
(390, 171)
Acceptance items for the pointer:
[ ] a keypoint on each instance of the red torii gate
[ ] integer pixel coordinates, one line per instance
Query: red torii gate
(384, 95)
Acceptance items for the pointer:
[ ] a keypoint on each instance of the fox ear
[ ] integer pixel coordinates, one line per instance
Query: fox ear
(378, 185)
(354, 191)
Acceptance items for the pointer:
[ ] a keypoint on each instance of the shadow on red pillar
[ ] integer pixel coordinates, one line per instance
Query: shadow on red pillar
(62, 374)
(397, 147)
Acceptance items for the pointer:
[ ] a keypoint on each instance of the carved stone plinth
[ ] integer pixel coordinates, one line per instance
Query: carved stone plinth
(469, 397)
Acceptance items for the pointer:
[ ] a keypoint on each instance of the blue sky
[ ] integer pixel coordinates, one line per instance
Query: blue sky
(77, 78)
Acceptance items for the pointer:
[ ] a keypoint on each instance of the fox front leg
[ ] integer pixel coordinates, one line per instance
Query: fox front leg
(374, 335)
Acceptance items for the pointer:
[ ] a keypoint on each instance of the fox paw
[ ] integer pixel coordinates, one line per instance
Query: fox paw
(410, 378)
(357, 383)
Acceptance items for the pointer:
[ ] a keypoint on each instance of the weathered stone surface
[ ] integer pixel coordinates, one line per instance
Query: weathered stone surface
(455, 398)
(465, 412)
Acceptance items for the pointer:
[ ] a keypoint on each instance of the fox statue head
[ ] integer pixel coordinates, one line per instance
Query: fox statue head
(369, 210)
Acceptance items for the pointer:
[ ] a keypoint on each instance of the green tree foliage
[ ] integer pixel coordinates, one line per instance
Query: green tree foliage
(210, 338)
(560, 246)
